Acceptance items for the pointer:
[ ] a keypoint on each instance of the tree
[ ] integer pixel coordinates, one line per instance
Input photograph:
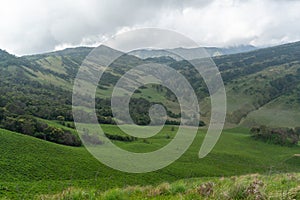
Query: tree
(27, 127)
(1, 114)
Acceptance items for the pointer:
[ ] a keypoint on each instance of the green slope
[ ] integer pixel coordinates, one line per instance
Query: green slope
(31, 166)
(252, 80)
(24, 158)
(260, 83)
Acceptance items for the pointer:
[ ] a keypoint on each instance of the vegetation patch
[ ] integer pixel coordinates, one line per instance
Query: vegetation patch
(248, 187)
(29, 125)
(281, 136)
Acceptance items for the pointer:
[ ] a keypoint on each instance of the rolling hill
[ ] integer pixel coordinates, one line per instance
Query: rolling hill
(262, 85)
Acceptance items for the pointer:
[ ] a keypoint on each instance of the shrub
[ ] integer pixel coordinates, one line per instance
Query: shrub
(124, 138)
(178, 188)
(61, 136)
(281, 136)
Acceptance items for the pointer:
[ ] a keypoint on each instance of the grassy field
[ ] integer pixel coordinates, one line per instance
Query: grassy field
(31, 167)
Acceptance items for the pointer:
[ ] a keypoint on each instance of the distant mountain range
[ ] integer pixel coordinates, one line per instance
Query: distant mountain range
(191, 53)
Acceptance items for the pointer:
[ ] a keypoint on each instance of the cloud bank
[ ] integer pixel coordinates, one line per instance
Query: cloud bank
(35, 26)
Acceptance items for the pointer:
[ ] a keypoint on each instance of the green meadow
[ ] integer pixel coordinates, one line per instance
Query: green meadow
(32, 167)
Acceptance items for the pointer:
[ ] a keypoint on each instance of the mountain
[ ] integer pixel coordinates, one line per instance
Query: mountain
(191, 53)
(263, 87)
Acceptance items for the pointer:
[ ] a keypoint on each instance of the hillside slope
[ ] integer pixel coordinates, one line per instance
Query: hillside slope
(263, 86)
(258, 84)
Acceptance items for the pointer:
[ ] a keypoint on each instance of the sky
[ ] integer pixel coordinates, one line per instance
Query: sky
(37, 26)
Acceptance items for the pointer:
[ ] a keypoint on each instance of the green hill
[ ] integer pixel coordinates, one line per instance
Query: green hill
(263, 86)
(32, 166)
(264, 80)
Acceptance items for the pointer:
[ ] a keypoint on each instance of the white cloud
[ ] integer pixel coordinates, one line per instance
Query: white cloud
(238, 22)
(34, 26)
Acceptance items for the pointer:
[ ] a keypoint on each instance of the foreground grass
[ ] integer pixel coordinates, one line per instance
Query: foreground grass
(31, 167)
(254, 186)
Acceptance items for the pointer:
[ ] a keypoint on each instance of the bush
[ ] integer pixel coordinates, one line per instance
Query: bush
(61, 136)
(178, 188)
(281, 136)
(125, 138)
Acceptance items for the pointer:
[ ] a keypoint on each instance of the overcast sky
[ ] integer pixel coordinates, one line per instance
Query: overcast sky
(35, 26)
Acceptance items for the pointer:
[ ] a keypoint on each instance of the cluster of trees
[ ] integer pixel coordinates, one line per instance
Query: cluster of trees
(139, 112)
(281, 136)
(285, 83)
(28, 125)
(30, 97)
